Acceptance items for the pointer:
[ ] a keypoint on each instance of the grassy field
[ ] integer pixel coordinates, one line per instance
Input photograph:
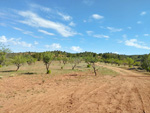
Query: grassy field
(39, 69)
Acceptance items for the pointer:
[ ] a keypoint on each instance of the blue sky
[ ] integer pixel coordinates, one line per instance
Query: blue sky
(118, 26)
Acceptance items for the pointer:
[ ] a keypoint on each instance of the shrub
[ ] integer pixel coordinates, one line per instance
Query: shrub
(88, 66)
(49, 72)
(62, 67)
(0, 66)
(148, 69)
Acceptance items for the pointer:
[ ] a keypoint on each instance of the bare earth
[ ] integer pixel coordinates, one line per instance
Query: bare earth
(129, 92)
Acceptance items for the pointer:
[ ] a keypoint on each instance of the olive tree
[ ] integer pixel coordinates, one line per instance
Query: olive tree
(18, 60)
(74, 62)
(92, 61)
(3, 52)
(64, 60)
(59, 59)
(30, 60)
(47, 59)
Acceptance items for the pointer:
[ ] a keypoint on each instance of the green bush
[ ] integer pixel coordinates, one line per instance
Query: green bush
(62, 67)
(148, 69)
(49, 72)
(88, 66)
(0, 66)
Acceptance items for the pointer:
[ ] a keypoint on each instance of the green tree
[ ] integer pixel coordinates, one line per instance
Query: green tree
(3, 54)
(74, 62)
(59, 59)
(118, 62)
(124, 62)
(146, 63)
(112, 61)
(92, 61)
(2, 59)
(64, 60)
(137, 64)
(47, 59)
(18, 60)
(130, 62)
(30, 60)
(38, 56)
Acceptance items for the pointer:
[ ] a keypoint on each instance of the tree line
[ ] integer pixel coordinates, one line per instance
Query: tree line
(91, 58)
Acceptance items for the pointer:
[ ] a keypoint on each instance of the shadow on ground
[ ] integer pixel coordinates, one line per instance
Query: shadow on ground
(8, 71)
(29, 73)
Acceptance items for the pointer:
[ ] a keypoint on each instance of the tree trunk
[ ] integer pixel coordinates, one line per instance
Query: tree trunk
(17, 68)
(73, 67)
(64, 62)
(94, 68)
(47, 68)
(95, 71)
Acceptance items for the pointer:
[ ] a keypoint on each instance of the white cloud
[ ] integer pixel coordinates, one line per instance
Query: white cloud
(3, 39)
(42, 8)
(89, 32)
(139, 22)
(19, 29)
(14, 41)
(116, 52)
(76, 48)
(143, 13)
(88, 2)
(72, 24)
(22, 43)
(34, 20)
(100, 36)
(146, 34)
(114, 29)
(26, 32)
(36, 43)
(54, 46)
(45, 32)
(97, 16)
(135, 43)
(65, 17)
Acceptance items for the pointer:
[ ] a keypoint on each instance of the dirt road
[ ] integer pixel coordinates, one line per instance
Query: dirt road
(128, 92)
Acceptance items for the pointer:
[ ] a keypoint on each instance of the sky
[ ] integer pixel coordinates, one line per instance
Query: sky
(117, 26)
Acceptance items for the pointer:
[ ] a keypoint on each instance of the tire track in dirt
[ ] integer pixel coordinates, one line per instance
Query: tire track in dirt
(139, 80)
(139, 95)
(85, 97)
(125, 93)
